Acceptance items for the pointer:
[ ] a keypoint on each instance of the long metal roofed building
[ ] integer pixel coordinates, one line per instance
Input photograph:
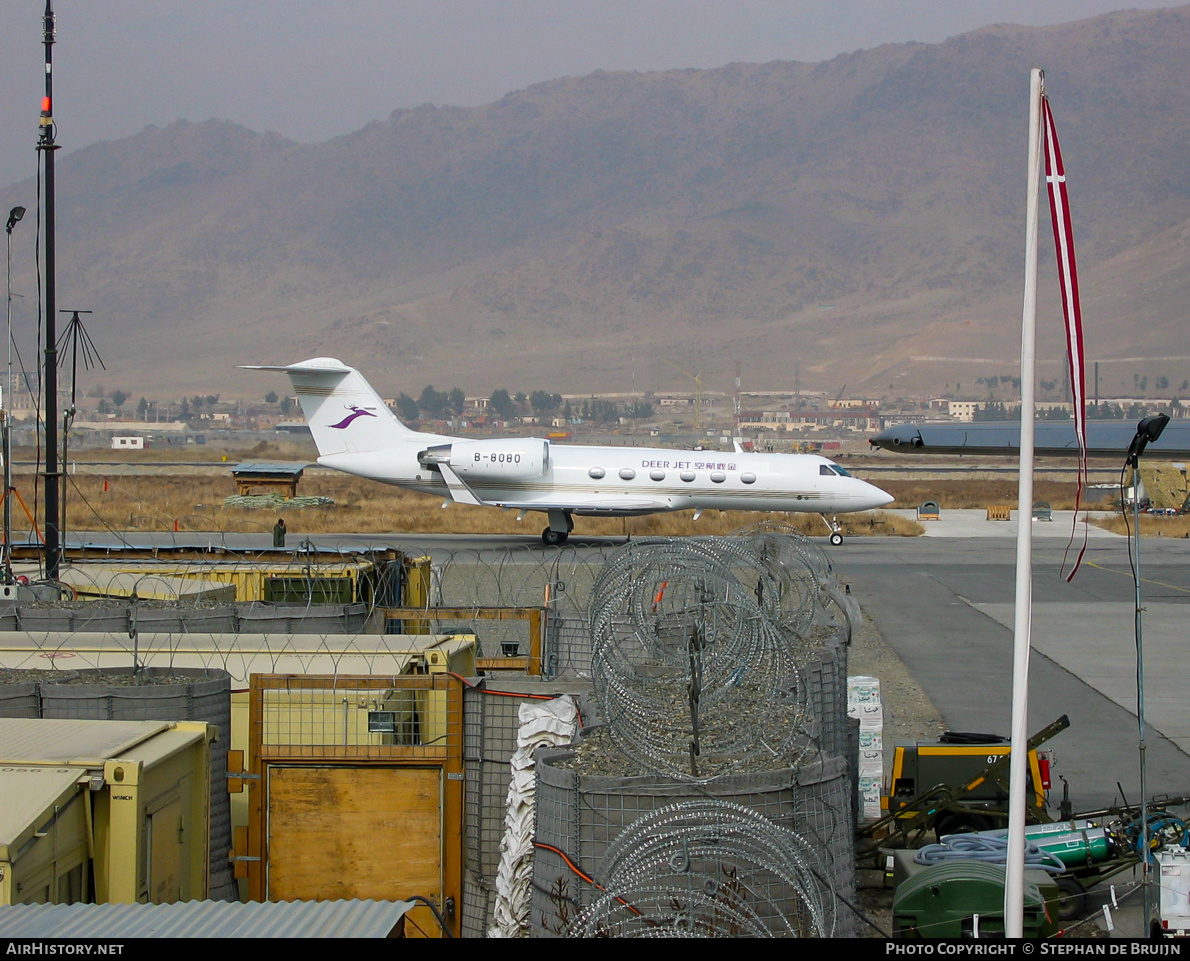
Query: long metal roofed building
(1104, 439)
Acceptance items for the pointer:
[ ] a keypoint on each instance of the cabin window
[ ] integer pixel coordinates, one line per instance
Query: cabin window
(748, 478)
(596, 472)
(687, 476)
(718, 477)
(627, 473)
(657, 475)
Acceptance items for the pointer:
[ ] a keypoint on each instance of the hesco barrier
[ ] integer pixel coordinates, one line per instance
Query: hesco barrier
(581, 816)
(254, 617)
(490, 726)
(824, 672)
(566, 645)
(262, 618)
(183, 695)
(180, 620)
(567, 655)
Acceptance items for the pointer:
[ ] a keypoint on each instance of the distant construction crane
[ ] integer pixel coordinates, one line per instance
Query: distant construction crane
(838, 397)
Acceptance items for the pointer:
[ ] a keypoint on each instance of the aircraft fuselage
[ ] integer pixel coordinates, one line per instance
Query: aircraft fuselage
(590, 479)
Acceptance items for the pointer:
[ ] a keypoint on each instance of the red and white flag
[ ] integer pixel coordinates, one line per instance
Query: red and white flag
(1055, 179)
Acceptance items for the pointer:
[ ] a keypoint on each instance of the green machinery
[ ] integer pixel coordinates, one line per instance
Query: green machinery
(965, 899)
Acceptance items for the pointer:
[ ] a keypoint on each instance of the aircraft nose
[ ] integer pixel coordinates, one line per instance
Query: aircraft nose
(876, 498)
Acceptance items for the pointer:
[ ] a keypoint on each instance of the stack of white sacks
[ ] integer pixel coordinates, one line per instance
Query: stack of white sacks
(542, 724)
(863, 702)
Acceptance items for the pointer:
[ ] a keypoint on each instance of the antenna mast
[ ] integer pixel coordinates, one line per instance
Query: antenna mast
(47, 146)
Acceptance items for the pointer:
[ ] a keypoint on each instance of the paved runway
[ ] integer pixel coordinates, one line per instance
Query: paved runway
(946, 607)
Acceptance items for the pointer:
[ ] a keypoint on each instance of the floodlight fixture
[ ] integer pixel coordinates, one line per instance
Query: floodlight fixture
(1147, 431)
(14, 217)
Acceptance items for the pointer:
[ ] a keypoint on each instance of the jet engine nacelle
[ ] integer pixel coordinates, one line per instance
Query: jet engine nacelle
(512, 457)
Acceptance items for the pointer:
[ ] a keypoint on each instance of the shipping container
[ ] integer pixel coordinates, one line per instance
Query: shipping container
(125, 803)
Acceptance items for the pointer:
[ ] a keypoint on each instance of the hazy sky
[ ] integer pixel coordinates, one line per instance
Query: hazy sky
(313, 69)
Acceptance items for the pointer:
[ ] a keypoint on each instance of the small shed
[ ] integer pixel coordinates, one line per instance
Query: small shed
(279, 477)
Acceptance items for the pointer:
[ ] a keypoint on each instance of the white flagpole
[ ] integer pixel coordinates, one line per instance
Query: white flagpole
(1014, 875)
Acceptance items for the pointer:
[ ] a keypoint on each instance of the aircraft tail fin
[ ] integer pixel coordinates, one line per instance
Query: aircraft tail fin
(346, 416)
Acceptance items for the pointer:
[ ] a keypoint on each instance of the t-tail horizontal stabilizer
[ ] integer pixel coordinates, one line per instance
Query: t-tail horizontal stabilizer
(346, 416)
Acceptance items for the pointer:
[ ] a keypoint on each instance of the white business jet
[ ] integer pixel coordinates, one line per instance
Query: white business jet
(357, 433)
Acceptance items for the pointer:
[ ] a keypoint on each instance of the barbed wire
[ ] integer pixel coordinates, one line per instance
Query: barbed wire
(695, 651)
(710, 868)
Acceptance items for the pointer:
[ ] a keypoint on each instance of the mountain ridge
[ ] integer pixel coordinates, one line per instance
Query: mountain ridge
(851, 215)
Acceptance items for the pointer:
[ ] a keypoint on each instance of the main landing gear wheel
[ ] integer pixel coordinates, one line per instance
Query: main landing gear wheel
(553, 538)
(836, 539)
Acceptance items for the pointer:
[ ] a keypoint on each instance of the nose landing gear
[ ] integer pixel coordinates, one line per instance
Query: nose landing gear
(836, 529)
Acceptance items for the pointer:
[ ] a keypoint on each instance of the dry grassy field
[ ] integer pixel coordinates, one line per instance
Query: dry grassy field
(975, 494)
(159, 502)
(1149, 526)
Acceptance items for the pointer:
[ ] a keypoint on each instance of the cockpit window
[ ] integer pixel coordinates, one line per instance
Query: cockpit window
(825, 471)
(839, 470)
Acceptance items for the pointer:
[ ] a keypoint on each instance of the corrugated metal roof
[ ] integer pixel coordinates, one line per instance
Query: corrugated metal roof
(270, 467)
(53, 741)
(205, 919)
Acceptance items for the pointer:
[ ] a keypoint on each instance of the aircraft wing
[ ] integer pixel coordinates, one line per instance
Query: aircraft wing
(595, 508)
(462, 493)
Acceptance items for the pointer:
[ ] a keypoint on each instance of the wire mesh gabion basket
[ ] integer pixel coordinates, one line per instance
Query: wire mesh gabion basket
(696, 673)
(709, 868)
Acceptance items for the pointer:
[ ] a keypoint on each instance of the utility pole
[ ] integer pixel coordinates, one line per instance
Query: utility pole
(47, 146)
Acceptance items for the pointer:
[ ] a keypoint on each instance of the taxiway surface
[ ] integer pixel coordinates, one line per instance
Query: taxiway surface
(946, 606)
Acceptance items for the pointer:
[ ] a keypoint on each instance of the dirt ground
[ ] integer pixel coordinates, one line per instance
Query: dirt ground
(909, 715)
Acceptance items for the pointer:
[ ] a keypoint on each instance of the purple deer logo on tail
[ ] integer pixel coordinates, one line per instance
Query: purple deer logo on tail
(355, 413)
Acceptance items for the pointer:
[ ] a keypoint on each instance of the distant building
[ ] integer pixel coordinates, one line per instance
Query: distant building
(963, 410)
(128, 443)
(852, 419)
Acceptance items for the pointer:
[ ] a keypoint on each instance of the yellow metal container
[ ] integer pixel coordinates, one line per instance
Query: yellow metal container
(416, 592)
(125, 802)
(335, 582)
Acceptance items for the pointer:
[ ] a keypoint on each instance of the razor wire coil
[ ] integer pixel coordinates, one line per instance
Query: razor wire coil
(710, 868)
(695, 651)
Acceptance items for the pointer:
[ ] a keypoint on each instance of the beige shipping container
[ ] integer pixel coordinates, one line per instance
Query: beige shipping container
(125, 802)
